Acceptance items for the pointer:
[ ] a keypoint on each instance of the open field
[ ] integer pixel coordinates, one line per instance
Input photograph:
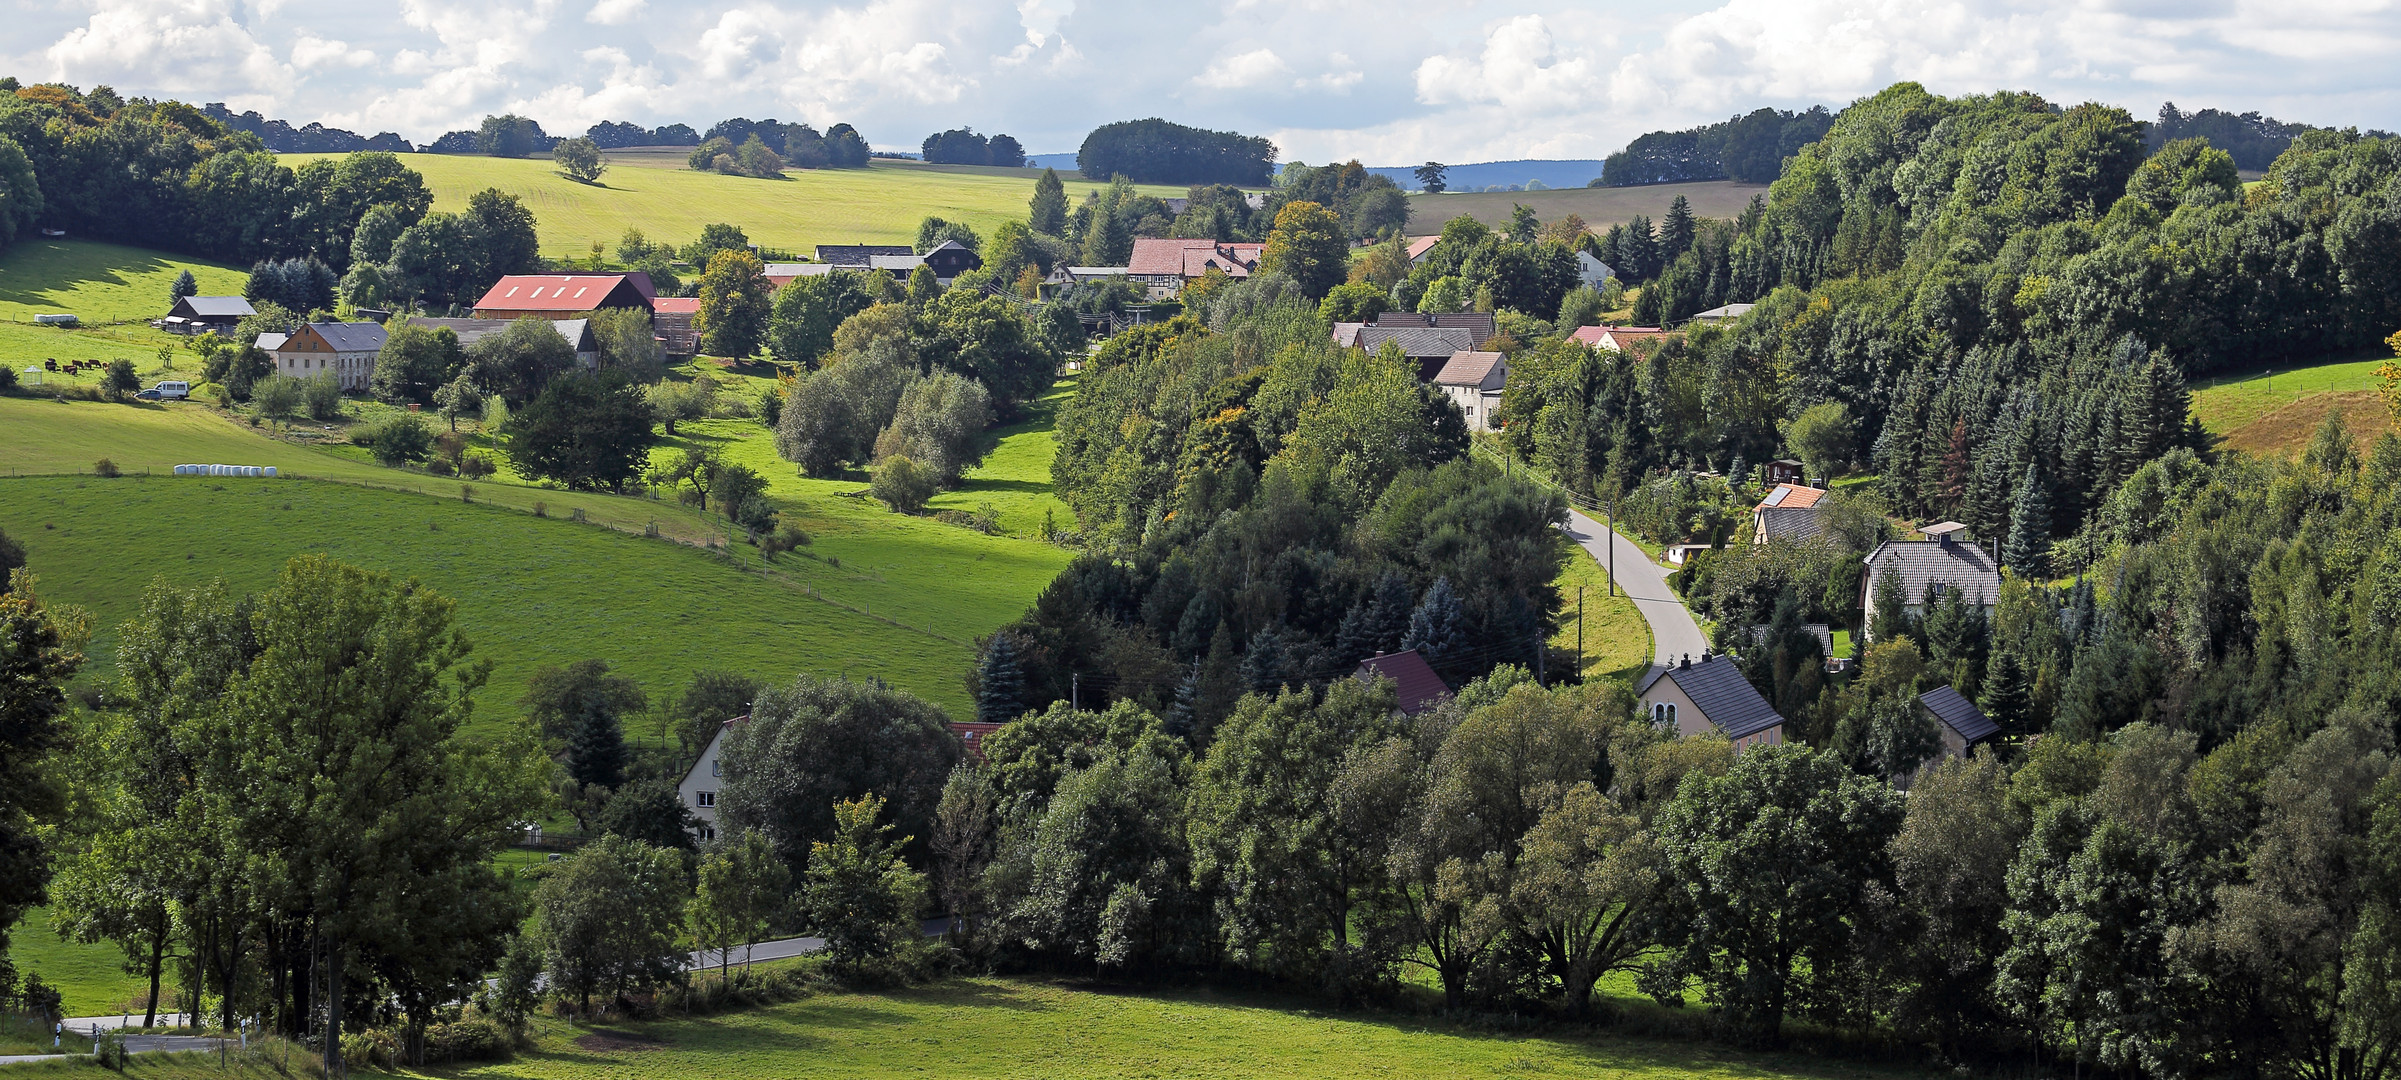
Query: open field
(102, 283)
(880, 204)
(1033, 1028)
(2273, 413)
(1600, 207)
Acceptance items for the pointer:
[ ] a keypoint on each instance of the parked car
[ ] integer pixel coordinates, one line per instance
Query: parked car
(151, 394)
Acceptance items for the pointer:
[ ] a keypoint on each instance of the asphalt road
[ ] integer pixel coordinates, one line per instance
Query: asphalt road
(1674, 634)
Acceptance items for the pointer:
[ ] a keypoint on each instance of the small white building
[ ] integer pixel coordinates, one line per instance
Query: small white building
(1592, 272)
(1692, 697)
(1474, 380)
(701, 781)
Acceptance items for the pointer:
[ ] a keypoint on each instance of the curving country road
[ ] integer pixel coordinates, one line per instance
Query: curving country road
(1674, 634)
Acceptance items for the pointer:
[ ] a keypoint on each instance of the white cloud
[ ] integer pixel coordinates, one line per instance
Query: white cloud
(1520, 67)
(311, 51)
(196, 46)
(615, 12)
(1257, 67)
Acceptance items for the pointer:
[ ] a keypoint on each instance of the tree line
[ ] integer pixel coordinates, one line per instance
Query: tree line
(1748, 149)
(1155, 151)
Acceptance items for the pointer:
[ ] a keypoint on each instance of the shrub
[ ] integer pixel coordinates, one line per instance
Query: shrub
(105, 467)
(401, 439)
(785, 537)
(8, 380)
(324, 397)
(476, 466)
(900, 484)
(368, 1049)
(110, 1052)
(279, 396)
(467, 1040)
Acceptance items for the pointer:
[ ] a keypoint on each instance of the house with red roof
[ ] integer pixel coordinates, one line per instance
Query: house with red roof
(671, 318)
(1788, 512)
(1165, 265)
(563, 296)
(1419, 688)
(1617, 338)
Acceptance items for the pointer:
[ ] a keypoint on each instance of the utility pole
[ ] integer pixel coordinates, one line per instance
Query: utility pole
(1075, 691)
(1613, 547)
(1579, 630)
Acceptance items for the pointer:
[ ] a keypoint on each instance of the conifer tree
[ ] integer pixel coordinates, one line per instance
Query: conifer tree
(1263, 665)
(185, 285)
(2028, 548)
(1048, 211)
(2008, 694)
(999, 682)
(1676, 231)
(1434, 628)
(596, 748)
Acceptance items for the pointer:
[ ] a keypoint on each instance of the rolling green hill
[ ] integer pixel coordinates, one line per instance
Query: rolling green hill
(2273, 413)
(101, 283)
(881, 204)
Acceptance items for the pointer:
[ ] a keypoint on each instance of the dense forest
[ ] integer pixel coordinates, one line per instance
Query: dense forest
(1749, 148)
(1155, 151)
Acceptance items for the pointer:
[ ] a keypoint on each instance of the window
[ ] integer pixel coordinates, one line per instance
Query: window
(714, 768)
(707, 833)
(707, 798)
(1663, 713)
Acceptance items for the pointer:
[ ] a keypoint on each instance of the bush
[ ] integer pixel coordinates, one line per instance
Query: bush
(369, 1049)
(785, 538)
(279, 396)
(900, 484)
(400, 440)
(467, 1040)
(105, 467)
(324, 397)
(476, 466)
(8, 379)
(110, 1052)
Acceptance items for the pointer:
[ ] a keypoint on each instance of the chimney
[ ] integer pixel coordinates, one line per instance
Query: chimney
(1687, 664)
(1818, 482)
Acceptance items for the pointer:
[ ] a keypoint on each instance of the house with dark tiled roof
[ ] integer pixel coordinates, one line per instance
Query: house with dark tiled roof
(1480, 325)
(1963, 724)
(1788, 512)
(201, 314)
(859, 256)
(1930, 570)
(1697, 696)
(1418, 687)
(343, 351)
(951, 258)
(1429, 347)
(1473, 381)
(578, 333)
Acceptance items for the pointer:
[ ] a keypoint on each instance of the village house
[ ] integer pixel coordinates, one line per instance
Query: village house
(1963, 724)
(1616, 338)
(1473, 381)
(1064, 275)
(702, 781)
(671, 319)
(201, 314)
(1164, 265)
(1929, 570)
(1430, 339)
(578, 333)
(1788, 512)
(344, 350)
(859, 256)
(1419, 245)
(972, 734)
(1784, 471)
(563, 296)
(1418, 687)
(1728, 313)
(778, 275)
(1693, 698)
(1592, 273)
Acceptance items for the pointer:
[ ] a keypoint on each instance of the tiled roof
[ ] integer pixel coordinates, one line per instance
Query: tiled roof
(1469, 369)
(1157, 257)
(1717, 314)
(470, 331)
(1791, 497)
(897, 264)
(1416, 343)
(1420, 689)
(1479, 324)
(1922, 563)
(1958, 713)
(782, 271)
(222, 307)
(1346, 334)
(1419, 245)
(549, 292)
(1615, 338)
(677, 305)
(272, 342)
(1728, 700)
(1790, 523)
(350, 336)
(859, 254)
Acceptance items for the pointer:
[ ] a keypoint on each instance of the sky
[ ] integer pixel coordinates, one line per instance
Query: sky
(1386, 81)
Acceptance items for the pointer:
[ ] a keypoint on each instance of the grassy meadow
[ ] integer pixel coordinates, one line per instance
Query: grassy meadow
(2274, 412)
(989, 1027)
(1617, 642)
(880, 204)
(101, 283)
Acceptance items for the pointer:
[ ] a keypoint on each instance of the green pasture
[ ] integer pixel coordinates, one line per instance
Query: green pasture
(100, 283)
(1616, 639)
(2227, 404)
(90, 979)
(880, 204)
(992, 1027)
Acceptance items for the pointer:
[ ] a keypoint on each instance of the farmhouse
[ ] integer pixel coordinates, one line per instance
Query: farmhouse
(344, 350)
(1419, 245)
(1165, 265)
(1929, 570)
(1617, 338)
(578, 333)
(1473, 381)
(699, 787)
(1419, 688)
(1728, 313)
(1429, 339)
(671, 318)
(972, 734)
(778, 275)
(563, 296)
(1788, 512)
(1963, 724)
(201, 314)
(859, 256)
(1064, 274)
(950, 259)
(1693, 698)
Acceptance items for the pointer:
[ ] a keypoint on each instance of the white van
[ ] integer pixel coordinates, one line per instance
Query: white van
(168, 391)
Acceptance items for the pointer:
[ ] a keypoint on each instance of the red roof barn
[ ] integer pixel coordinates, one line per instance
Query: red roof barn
(558, 296)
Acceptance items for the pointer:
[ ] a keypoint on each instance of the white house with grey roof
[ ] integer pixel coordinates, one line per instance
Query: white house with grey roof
(1473, 381)
(342, 351)
(1930, 570)
(1694, 697)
